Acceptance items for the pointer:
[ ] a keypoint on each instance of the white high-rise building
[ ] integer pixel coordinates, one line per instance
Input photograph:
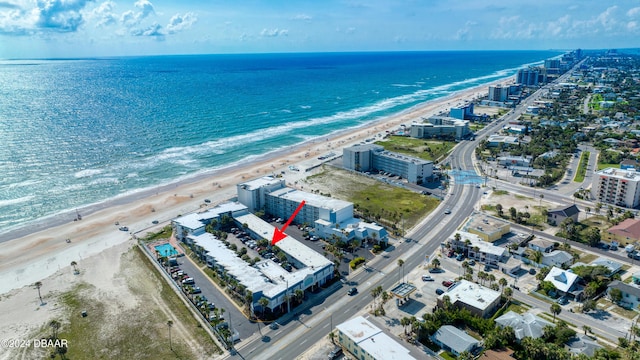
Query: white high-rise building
(617, 187)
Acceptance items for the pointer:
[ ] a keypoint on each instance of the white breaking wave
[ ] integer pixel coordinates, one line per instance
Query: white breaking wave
(87, 173)
(19, 200)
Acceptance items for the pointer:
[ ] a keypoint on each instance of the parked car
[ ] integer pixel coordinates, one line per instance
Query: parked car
(352, 291)
(472, 262)
(427, 278)
(196, 290)
(439, 291)
(436, 270)
(460, 257)
(335, 353)
(532, 271)
(188, 281)
(447, 283)
(563, 301)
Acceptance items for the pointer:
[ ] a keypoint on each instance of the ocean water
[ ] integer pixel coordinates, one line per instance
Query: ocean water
(76, 132)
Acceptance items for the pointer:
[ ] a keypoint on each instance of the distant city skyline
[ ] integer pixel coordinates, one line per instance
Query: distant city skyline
(85, 28)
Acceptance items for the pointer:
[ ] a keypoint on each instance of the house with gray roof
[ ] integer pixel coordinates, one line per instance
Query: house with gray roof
(613, 266)
(456, 341)
(558, 215)
(525, 325)
(559, 258)
(630, 294)
(582, 344)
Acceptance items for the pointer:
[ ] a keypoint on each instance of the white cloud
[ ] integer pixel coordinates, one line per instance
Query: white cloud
(633, 12)
(274, 32)
(154, 30)
(464, 32)
(181, 22)
(104, 14)
(302, 17)
(132, 18)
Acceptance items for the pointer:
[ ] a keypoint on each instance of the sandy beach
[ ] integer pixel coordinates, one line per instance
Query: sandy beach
(42, 252)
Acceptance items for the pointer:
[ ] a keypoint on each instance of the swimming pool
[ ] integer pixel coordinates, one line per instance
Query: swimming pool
(166, 250)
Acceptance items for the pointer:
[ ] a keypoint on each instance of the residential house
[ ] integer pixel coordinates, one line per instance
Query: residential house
(630, 294)
(456, 341)
(556, 216)
(565, 282)
(582, 344)
(541, 245)
(523, 325)
(626, 232)
(502, 354)
(613, 266)
(559, 258)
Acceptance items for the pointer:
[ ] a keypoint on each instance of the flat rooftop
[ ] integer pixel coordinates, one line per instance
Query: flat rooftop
(197, 220)
(486, 224)
(260, 182)
(294, 248)
(314, 200)
(472, 294)
(484, 246)
(373, 340)
(620, 174)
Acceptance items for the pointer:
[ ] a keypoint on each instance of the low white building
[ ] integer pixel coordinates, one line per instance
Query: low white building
(558, 258)
(479, 300)
(478, 249)
(195, 223)
(368, 342)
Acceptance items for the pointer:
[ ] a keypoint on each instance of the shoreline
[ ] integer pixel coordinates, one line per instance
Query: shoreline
(36, 250)
(67, 216)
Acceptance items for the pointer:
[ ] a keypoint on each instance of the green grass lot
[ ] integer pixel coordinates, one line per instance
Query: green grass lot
(518, 307)
(388, 205)
(476, 126)
(420, 148)
(165, 233)
(604, 166)
(582, 167)
(138, 332)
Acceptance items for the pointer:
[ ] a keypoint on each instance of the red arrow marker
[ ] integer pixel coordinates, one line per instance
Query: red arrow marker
(278, 234)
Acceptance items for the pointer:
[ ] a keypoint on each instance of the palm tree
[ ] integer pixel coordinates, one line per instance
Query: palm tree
(332, 337)
(38, 285)
(405, 321)
(401, 264)
(55, 326)
(587, 329)
(75, 269)
(299, 294)
(170, 324)
(502, 282)
(263, 302)
(555, 310)
(435, 263)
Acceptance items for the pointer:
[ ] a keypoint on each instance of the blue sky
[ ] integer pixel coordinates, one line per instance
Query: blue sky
(83, 28)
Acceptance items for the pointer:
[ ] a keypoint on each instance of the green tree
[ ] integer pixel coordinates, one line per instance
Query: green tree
(435, 263)
(615, 295)
(593, 236)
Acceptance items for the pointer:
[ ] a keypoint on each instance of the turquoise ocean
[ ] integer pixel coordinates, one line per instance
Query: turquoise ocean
(80, 132)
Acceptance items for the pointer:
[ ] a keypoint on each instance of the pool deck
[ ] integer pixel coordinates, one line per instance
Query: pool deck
(172, 240)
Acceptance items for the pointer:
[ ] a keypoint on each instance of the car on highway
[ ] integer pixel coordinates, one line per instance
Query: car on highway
(427, 278)
(447, 211)
(352, 291)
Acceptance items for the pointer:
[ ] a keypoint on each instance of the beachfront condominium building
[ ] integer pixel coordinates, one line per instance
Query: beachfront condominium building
(328, 216)
(463, 112)
(528, 77)
(283, 202)
(253, 193)
(617, 187)
(370, 157)
(498, 93)
(195, 223)
(440, 127)
(266, 279)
